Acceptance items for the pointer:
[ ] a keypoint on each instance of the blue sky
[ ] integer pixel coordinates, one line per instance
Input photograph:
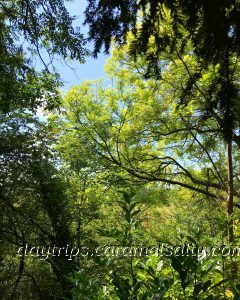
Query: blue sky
(92, 68)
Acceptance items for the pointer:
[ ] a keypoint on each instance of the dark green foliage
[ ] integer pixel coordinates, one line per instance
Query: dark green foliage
(110, 18)
(33, 203)
(33, 206)
(213, 27)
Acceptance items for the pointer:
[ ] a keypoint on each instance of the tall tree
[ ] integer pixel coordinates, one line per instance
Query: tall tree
(159, 145)
(213, 29)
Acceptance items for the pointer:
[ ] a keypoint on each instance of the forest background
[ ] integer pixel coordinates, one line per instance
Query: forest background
(147, 157)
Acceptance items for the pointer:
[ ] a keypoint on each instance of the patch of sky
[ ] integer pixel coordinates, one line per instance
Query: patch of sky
(73, 72)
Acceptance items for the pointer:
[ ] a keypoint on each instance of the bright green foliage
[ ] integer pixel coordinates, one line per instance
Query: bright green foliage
(139, 127)
(135, 132)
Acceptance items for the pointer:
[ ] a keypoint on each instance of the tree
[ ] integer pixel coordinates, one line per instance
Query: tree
(212, 29)
(34, 211)
(34, 30)
(135, 130)
(31, 188)
(114, 125)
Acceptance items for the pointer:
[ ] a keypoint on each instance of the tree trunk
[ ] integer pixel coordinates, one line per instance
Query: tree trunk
(234, 269)
(230, 191)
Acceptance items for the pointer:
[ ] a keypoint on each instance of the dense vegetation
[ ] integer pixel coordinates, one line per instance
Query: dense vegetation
(125, 188)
